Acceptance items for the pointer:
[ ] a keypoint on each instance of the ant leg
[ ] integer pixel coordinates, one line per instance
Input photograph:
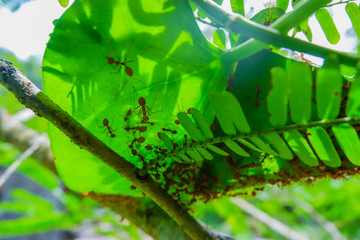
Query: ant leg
(127, 54)
(134, 97)
(99, 69)
(113, 50)
(137, 56)
(116, 67)
(138, 80)
(155, 98)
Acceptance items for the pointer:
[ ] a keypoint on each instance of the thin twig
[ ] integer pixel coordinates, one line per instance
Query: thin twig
(12, 168)
(327, 225)
(29, 95)
(271, 222)
(14, 132)
(341, 2)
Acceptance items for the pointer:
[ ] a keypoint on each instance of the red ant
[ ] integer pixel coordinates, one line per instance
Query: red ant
(127, 115)
(140, 128)
(185, 140)
(307, 61)
(106, 125)
(258, 98)
(144, 109)
(169, 130)
(115, 63)
(139, 140)
(230, 88)
(159, 150)
(268, 22)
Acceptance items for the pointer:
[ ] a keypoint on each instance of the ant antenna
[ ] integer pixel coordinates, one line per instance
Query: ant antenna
(155, 98)
(134, 97)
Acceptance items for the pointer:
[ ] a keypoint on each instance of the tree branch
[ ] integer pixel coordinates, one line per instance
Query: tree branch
(27, 153)
(327, 225)
(29, 95)
(14, 132)
(274, 35)
(148, 216)
(274, 224)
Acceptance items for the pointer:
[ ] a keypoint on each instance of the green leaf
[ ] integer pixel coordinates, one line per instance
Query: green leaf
(278, 145)
(268, 15)
(219, 38)
(205, 153)
(328, 26)
(301, 148)
(30, 225)
(283, 4)
(353, 11)
(300, 88)
(277, 99)
(236, 113)
(328, 92)
(189, 126)
(217, 150)
(78, 77)
(349, 142)
(201, 123)
(248, 145)
(233, 38)
(263, 146)
(64, 3)
(304, 27)
(184, 157)
(236, 148)
(40, 204)
(194, 155)
(353, 102)
(165, 138)
(323, 146)
(237, 6)
(15, 207)
(222, 113)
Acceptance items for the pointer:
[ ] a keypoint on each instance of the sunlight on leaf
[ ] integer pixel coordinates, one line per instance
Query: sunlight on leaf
(108, 61)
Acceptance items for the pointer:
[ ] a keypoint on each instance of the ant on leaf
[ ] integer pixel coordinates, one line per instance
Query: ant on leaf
(108, 128)
(144, 109)
(116, 63)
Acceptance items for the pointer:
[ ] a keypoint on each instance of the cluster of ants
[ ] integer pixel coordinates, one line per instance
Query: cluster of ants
(174, 177)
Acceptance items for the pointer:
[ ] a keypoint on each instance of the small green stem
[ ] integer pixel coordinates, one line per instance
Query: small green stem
(274, 35)
(341, 2)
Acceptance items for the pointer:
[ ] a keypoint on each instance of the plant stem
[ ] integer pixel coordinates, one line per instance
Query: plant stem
(274, 35)
(30, 96)
(341, 2)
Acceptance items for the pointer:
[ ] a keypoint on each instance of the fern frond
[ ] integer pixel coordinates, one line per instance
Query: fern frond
(310, 141)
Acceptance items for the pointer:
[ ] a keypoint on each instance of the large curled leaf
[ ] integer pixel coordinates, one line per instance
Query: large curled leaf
(84, 72)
